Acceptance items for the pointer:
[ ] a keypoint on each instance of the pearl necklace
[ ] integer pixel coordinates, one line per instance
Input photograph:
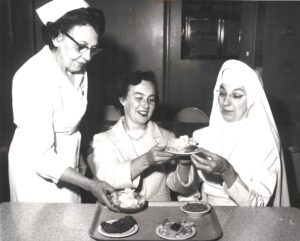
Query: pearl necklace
(136, 134)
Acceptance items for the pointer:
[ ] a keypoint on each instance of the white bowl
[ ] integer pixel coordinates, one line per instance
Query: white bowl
(195, 209)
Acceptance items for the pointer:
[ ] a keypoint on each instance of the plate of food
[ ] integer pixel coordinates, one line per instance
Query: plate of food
(183, 146)
(171, 230)
(123, 227)
(128, 201)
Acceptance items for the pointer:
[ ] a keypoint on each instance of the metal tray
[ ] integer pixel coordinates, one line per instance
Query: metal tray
(208, 226)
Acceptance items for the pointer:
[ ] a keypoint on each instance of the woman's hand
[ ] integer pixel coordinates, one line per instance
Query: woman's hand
(212, 163)
(157, 155)
(100, 190)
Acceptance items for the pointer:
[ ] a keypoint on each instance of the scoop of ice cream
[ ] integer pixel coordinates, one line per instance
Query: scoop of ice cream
(181, 144)
(128, 198)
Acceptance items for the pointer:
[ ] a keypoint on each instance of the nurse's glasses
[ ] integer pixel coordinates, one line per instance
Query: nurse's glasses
(82, 48)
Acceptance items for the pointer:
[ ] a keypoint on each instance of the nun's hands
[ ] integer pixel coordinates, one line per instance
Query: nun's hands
(209, 162)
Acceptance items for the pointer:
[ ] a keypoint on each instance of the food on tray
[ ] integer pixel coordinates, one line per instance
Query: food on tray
(119, 226)
(183, 144)
(195, 207)
(176, 230)
(128, 198)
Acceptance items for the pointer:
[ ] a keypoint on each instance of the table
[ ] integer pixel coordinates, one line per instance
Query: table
(71, 222)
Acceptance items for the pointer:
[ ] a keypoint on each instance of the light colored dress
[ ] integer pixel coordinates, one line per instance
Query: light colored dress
(251, 145)
(111, 158)
(47, 110)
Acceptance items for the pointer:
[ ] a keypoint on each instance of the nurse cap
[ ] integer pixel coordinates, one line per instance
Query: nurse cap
(53, 10)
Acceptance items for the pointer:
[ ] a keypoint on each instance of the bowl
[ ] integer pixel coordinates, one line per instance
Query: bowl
(128, 201)
(195, 209)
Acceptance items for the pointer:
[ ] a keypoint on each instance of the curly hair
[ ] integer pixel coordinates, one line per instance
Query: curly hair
(78, 17)
(121, 85)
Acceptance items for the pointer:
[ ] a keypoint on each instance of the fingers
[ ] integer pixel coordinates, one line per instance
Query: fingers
(206, 155)
(203, 163)
(159, 155)
(108, 203)
(202, 160)
(101, 193)
(202, 167)
(163, 154)
(160, 158)
(108, 187)
(159, 148)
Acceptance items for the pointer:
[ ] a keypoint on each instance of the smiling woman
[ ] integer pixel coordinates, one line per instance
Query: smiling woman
(132, 153)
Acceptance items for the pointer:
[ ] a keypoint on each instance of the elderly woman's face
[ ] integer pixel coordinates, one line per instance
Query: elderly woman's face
(68, 53)
(232, 98)
(139, 103)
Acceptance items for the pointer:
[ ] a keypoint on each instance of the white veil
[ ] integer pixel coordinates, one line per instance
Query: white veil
(259, 115)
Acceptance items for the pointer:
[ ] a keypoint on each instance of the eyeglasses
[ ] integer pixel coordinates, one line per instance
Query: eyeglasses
(82, 48)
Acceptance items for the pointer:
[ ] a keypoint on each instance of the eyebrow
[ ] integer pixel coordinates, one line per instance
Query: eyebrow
(140, 93)
(237, 89)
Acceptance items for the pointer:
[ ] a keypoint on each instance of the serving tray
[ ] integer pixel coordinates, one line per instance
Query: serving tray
(208, 226)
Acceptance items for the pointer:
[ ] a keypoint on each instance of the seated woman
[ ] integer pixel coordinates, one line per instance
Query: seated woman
(241, 163)
(131, 154)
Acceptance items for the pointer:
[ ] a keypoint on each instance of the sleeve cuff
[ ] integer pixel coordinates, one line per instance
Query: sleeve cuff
(50, 171)
(238, 192)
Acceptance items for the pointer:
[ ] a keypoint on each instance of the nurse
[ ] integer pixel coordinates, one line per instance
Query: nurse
(49, 100)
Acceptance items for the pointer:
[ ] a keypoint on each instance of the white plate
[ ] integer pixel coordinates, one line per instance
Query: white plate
(187, 236)
(129, 232)
(184, 153)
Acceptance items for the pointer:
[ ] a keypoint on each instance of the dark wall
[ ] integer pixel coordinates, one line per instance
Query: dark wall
(281, 61)
(190, 82)
(133, 40)
(16, 45)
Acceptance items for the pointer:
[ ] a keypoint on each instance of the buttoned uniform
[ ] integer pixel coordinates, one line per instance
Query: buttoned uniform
(113, 152)
(47, 110)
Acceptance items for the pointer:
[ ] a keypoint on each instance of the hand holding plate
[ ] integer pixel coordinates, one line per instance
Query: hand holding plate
(210, 162)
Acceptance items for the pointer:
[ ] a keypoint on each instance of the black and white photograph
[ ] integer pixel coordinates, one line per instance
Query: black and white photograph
(149, 120)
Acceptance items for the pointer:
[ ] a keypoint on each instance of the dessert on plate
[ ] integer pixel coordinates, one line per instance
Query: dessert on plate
(128, 198)
(176, 230)
(183, 144)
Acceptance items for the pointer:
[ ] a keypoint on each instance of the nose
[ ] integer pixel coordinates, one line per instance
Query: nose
(87, 55)
(145, 103)
(227, 100)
